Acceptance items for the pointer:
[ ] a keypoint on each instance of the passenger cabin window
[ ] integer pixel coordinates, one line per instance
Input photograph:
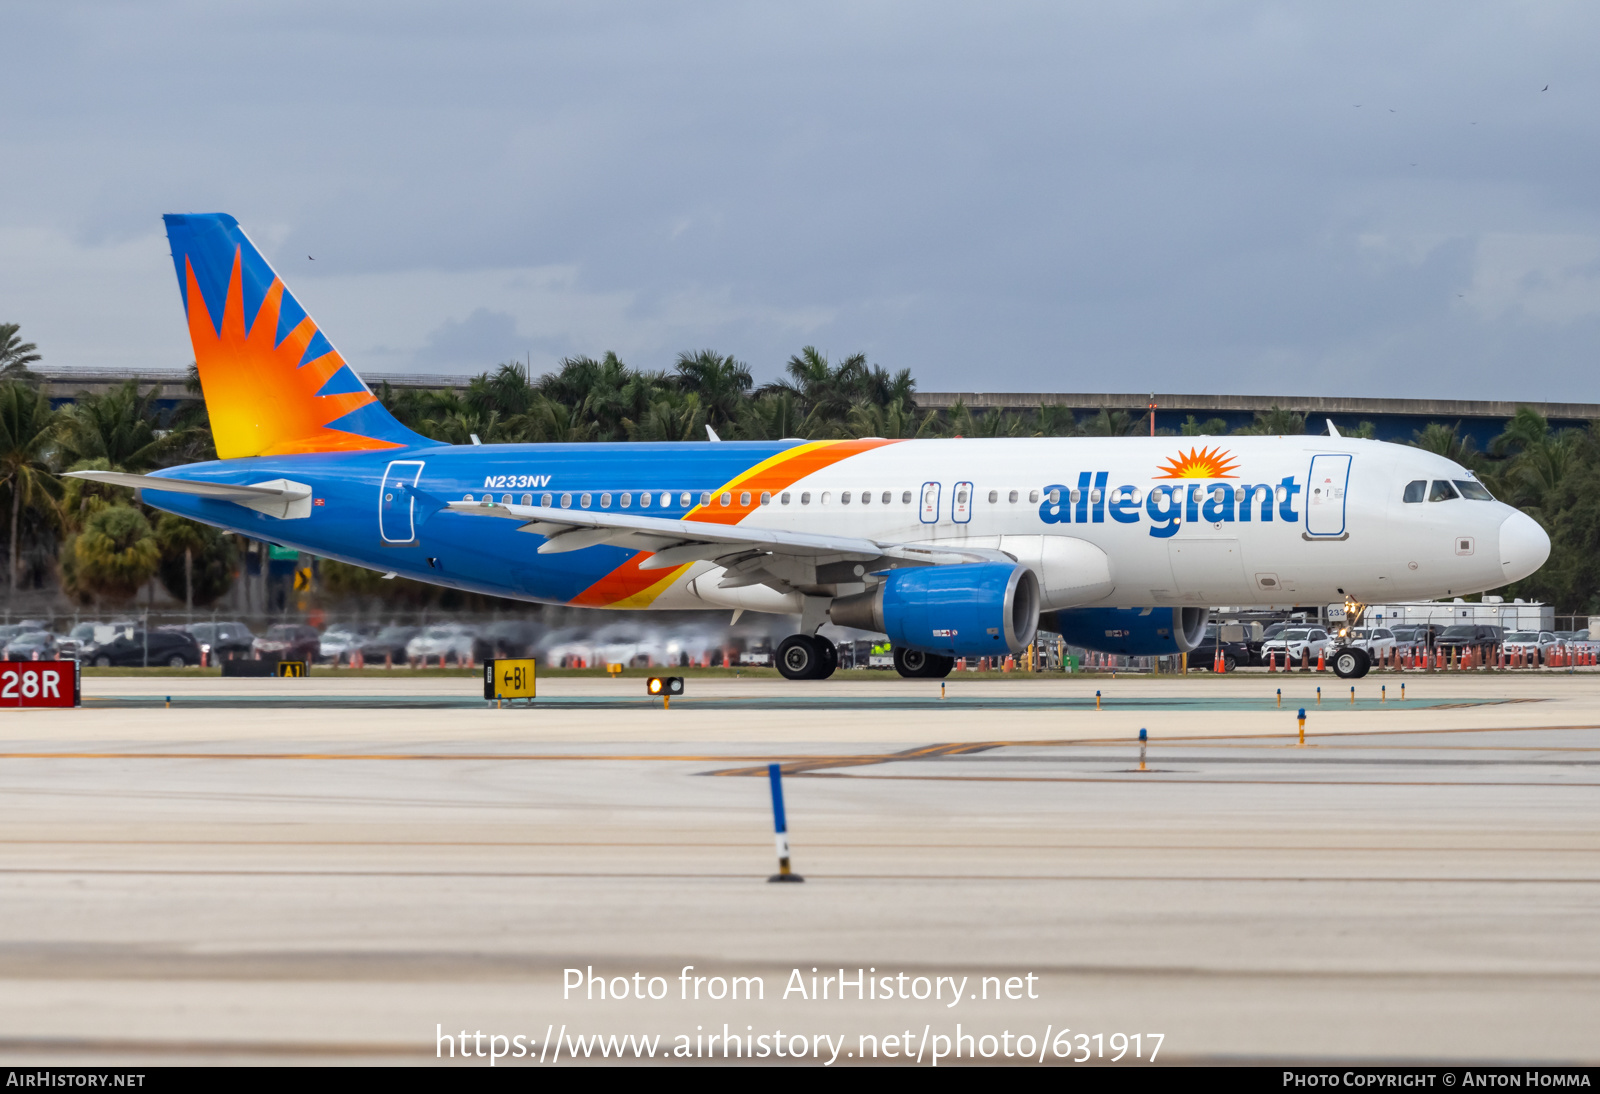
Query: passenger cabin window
(766, 497)
(1416, 490)
(744, 499)
(994, 496)
(1473, 491)
(685, 500)
(627, 500)
(784, 498)
(844, 498)
(644, 500)
(544, 500)
(805, 498)
(887, 497)
(527, 499)
(1033, 497)
(1013, 498)
(705, 498)
(566, 501)
(1442, 491)
(866, 497)
(605, 501)
(905, 498)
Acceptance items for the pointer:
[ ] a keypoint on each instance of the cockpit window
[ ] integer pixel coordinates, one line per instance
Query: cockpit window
(1442, 491)
(1416, 490)
(1473, 491)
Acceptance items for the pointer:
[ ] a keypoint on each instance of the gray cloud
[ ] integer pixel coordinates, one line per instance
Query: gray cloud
(1230, 197)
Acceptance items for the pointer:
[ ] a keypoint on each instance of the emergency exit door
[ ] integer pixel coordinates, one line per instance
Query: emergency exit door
(930, 503)
(397, 505)
(1325, 495)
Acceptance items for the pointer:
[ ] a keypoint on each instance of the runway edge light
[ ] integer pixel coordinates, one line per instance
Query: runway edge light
(781, 823)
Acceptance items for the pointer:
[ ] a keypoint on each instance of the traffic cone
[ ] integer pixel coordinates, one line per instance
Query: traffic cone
(1272, 662)
(1321, 662)
(1216, 661)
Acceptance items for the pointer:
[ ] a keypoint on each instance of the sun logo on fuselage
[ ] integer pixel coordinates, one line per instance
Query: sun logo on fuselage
(1200, 463)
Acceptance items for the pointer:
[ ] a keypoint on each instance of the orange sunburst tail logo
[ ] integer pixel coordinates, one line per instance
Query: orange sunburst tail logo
(273, 382)
(1200, 463)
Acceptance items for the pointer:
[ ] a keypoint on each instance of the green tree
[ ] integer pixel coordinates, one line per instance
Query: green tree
(896, 421)
(198, 561)
(1276, 422)
(115, 554)
(122, 426)
(721, 383)
(673, 417)
(15, 354)
(1054, 421)
(1211, 427)
(1114, 423)
(28, 429)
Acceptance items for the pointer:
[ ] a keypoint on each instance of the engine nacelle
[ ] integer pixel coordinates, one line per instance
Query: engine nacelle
(978, 609)
(1138, 632)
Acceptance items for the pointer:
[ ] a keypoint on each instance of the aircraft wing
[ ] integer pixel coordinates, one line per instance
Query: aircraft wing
(675, 542)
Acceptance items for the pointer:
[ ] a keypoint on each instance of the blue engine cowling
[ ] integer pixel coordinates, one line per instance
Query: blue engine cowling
(1138, 632)
(978, 609)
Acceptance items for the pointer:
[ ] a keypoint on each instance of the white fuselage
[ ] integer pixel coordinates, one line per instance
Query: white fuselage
(1136, 521)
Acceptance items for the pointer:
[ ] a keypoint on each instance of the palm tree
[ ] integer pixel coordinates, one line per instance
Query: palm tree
(897, 420)
(15, 354)
(670, 418)
(1211, 427)
(1113, 423)
(28, 429)
(777, 416)
(116, 553)
(722, 383)
(206, 556)
(122, 427)
(1276, 422)
(1537, 459)
(1054, 420)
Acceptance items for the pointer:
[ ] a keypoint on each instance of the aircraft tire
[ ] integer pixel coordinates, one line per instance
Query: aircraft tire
(917, 665)
(799, 658)
(827, 657)
(1351, 663)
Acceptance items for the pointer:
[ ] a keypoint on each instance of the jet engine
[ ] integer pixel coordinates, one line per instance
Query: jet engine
(1139, 632)
(978, 609)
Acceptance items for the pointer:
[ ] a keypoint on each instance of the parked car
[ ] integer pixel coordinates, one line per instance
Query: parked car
(165, 648)
(287, 642)
(33, 646)
(341, 640)
(223, 641)
(1535, 645)
(1468, 636)
(507, 638)
(1379, 642)
(1230, 638)
(1298, 642)
(452, 641)
(389, 642)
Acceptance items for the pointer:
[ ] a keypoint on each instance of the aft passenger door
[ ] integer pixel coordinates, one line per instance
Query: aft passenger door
(1325, 495)
(397, 506)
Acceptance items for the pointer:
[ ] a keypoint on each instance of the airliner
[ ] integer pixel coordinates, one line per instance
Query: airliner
(951, 548)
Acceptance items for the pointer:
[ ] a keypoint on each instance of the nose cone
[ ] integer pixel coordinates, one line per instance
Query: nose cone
(1523, 546)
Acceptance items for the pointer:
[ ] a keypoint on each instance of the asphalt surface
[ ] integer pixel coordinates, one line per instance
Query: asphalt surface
(341, 871)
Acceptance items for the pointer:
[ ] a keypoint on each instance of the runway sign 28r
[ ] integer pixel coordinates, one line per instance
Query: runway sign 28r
(508, 678)
(39, 684)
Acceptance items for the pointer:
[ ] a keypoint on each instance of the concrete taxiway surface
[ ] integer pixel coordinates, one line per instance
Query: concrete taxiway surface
(339, 879)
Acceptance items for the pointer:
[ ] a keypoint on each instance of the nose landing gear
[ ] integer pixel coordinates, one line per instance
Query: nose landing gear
(1351, 663)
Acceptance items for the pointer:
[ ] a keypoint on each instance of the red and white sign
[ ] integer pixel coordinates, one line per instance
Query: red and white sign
(38, 684)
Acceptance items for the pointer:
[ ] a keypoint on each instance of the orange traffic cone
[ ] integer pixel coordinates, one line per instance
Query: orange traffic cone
(1322, 665)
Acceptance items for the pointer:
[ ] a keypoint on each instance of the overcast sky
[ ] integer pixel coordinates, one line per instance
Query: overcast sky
(1269, 198)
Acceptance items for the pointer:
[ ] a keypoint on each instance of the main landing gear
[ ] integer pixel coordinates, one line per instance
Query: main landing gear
(916, 665)
(807, 657)
(1351, 663)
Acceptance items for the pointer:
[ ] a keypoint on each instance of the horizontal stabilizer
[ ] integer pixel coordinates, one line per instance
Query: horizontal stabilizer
(277, 497)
